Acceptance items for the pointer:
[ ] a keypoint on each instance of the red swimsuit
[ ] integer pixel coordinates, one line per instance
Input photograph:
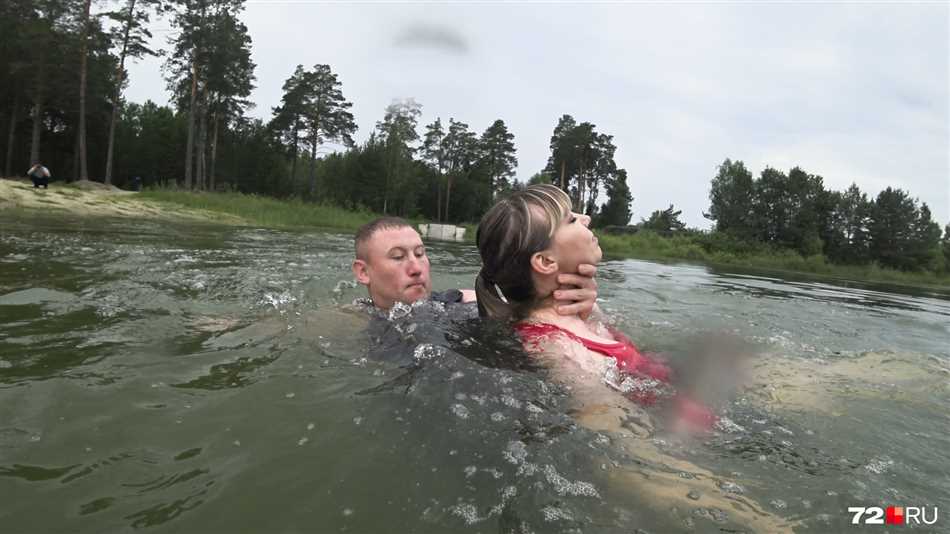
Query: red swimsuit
(623, 350)
(630, 361)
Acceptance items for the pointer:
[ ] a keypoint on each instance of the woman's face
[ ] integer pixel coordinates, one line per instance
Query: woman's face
(574, 243)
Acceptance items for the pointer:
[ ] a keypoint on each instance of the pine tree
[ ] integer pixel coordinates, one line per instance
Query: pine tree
(731, 200)
(893, 219)
(433, 153)
(498, 152)
(602, 169)
(17, 21)
(287, 122)
(47, 31)
(397, 133)
(132, 34)
(230, 80)
(581, 160)
(664, 222)
(771, 206)
(855, 211)
(925, 243)
(561, 163)
(187, 69)
(83, 62)
(616, 212)
(326, 114)
(461, 154)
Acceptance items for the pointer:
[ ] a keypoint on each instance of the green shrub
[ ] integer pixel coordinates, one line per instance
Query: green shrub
(264, 211)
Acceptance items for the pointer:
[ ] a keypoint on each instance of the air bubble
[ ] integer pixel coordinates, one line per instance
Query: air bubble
(565, 487)
(467, 512)
(553, 513)
(516, 452)
(460, 411)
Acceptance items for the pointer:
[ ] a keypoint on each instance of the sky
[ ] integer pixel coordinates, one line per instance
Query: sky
(853, 92)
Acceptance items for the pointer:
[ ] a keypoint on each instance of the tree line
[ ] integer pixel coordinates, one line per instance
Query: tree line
(65, 67)
(794, 211)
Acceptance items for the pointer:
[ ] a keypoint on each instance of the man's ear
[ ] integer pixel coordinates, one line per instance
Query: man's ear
(361, 272)
(543, 264)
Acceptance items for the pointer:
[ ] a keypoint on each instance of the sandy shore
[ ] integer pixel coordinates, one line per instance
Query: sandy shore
(87, 198)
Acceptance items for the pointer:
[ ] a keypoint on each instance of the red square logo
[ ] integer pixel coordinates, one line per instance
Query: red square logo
(894, 515)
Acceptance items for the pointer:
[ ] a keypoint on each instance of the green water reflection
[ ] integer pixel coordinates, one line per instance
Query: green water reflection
(202, 378)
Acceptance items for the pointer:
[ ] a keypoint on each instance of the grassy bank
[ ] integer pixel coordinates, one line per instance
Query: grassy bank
(273, 213)
(293, 213)
(264, 211)
(649, 245)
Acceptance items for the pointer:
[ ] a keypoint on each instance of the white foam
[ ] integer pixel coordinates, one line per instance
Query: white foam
(460, 411)
(553, 513)
(467, 512)
(564, 486)
(516, 453)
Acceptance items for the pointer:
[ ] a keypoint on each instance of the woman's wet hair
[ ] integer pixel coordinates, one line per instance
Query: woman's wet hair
(513, 230)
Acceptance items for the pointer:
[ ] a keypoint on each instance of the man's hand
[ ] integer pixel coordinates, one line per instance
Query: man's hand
(577, 293)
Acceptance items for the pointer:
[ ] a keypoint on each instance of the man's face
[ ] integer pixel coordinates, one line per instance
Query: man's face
(394, 267)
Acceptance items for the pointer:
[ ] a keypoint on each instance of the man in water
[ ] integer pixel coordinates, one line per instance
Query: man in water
(391, 262)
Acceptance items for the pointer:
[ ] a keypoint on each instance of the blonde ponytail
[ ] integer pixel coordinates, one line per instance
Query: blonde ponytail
(490, 303)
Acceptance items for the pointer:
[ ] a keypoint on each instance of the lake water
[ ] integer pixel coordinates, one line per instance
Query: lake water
(200, 378)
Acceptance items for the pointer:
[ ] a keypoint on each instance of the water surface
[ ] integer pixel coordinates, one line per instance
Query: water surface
(201, 378)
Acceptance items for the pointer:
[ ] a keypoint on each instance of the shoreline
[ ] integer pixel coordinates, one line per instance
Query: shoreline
(94, 199)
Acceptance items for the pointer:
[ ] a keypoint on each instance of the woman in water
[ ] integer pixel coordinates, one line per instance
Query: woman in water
(525, 241)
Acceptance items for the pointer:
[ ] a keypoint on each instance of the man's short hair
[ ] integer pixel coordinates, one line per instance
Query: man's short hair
(368, 230)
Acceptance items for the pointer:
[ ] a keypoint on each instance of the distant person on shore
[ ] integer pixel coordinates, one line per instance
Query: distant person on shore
(39, 174)
(391, 262)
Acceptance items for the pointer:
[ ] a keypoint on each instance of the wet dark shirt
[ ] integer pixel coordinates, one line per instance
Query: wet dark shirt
(451, 296)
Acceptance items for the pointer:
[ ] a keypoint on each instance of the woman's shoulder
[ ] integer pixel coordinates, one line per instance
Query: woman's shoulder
(529, 328)
(587, 337)
(545, 338)
(561, 349)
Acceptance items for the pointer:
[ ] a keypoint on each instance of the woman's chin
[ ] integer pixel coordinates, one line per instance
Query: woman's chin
(590, 259)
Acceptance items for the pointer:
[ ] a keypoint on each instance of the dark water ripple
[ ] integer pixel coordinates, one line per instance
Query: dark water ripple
(197, 378)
